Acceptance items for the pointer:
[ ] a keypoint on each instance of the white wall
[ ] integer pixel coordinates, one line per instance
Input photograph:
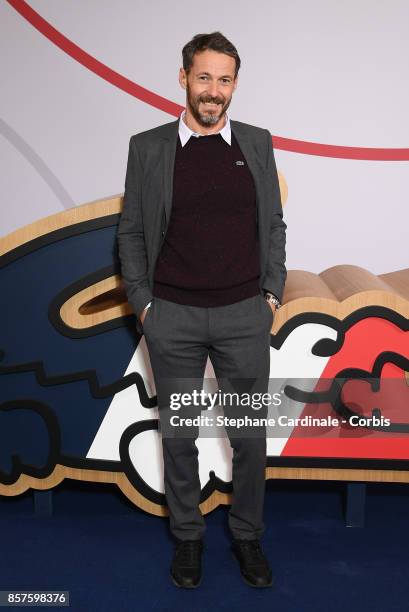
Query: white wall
(313, 70)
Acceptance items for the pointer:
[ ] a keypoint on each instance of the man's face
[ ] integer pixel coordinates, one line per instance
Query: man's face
(209, 86)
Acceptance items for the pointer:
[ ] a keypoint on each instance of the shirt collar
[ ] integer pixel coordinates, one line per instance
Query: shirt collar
(185, 132)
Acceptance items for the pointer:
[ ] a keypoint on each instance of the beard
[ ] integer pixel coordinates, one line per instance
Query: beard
(212, 116)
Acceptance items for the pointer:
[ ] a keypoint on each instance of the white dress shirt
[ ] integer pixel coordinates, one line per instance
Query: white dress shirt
(185, 132)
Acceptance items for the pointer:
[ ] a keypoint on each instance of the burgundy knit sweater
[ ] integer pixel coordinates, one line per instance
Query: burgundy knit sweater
(210, 255)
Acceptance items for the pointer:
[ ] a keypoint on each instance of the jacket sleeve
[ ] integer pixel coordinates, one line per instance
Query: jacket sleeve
(130, 235)
(276, 273)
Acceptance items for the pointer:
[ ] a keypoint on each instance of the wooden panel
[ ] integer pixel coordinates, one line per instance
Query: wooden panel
(78, 214)
(217, 498)
(304, 292)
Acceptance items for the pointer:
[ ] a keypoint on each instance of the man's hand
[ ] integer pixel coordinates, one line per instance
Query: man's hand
(143, 315)
(272, 306)
(144, 311)
(272, 300)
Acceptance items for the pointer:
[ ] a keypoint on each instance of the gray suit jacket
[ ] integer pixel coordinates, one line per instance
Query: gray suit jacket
(148, 201)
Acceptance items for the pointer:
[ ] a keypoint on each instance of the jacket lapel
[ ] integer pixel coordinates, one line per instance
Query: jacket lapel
(248, 151)
(169, 153)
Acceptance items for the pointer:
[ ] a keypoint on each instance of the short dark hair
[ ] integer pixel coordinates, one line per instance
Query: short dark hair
(215, 42)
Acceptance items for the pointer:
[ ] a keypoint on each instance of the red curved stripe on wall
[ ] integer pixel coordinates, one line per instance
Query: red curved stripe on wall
(157, 101)
(90, 62)
(324, 150)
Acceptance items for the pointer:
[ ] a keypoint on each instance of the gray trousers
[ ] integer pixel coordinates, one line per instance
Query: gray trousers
(236, 337)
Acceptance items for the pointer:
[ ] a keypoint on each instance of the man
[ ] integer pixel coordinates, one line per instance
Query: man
(202, 249)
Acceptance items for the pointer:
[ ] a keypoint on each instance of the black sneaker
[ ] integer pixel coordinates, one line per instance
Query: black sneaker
(254, 566)
(186, 568)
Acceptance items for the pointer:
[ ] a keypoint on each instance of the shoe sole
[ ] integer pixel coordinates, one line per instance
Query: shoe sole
(255, 586)
(180, 586)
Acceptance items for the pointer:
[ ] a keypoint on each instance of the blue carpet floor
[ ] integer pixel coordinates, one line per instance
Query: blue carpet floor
(113, 557)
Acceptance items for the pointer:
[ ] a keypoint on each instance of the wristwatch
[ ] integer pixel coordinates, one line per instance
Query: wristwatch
(270, 297)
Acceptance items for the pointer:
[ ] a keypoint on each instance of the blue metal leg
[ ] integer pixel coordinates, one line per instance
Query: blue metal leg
(43, 503)
(355, 504)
